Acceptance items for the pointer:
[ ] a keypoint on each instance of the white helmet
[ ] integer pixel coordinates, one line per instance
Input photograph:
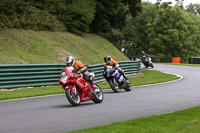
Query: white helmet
(70, 61)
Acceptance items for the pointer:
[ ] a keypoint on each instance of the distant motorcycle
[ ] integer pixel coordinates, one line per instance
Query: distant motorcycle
(116, 80)
(147, 62)
(77, 89)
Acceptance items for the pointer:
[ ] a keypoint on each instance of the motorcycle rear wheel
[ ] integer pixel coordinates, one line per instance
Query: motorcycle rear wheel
(72, 98)
(127, 88)
(98, 96)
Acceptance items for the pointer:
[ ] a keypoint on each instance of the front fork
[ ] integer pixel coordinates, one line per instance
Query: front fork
(115, 82)
(73, 87)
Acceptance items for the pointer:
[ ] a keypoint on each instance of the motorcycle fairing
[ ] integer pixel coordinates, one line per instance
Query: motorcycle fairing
(77, 84)
(81, 83)
(64, 79)
(118, 76)
(85, 89)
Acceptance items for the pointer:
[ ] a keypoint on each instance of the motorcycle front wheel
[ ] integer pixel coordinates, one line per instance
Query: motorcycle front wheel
(113, 84)
(145, 64)
(72, 98)
(152, 65)
(98, 98)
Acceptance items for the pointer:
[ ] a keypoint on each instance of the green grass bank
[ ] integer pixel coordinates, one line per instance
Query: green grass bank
(19, 46)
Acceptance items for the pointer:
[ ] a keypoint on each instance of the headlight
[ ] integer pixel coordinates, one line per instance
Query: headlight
(64, 79)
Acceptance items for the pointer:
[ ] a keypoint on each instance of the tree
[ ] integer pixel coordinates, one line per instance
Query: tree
(76, 15)
(105, 11)
(193, 8)
(112, 14)
(135, 31)
(135, 6)
(22, 14)
(79, 15)
(174, 33)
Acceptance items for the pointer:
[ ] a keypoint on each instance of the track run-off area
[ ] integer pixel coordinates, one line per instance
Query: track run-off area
(53, 114)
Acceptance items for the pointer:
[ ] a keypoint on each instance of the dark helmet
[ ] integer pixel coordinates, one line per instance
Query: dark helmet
(142, 53)
(107, 59)
(70, 61)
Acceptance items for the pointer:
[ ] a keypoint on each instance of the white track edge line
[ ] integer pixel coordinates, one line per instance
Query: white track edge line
(181, 77)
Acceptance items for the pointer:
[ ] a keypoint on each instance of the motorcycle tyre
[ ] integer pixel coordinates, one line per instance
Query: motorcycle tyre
(128, 87)
(152, 65)
(96, 99)
(112, 85)
(68, 93)
(146, 66)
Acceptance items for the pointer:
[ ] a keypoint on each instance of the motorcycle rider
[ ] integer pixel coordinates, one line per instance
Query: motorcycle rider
(78, 66)
(144, 55)
(110, 62)
(146, 59)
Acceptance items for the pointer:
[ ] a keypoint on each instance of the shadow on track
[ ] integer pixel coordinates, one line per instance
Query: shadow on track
(112, 92)
(70, 106)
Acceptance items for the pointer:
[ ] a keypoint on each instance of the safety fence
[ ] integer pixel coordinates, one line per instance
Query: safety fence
(28, 75)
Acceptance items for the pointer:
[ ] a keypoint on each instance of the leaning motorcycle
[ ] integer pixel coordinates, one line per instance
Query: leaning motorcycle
(116, 80)
(77, 89)
(147, 62)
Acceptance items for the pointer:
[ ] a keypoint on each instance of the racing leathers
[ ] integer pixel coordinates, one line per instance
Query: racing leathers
(145, 56)
(78, 66)
(115, 66)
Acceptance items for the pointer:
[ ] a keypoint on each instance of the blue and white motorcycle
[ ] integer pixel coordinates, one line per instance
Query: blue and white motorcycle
(116, 80)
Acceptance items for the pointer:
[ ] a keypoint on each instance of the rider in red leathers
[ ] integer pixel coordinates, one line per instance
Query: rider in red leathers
(78, 66)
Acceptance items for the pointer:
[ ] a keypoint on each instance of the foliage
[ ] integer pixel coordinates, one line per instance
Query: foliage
(76, 15)
(105, 15)
(20, 14)
(158, 29)
(161, 30)
(112, 15)
(79, 15)
(193, 8)
(134, 7)
(135, 31)
(175, 33)
(97, 16)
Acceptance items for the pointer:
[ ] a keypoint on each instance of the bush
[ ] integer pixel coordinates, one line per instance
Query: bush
(36, 19)
(20, 14)
(79, 15)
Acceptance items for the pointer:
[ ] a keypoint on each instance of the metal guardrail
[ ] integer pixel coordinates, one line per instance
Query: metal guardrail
(27, 75)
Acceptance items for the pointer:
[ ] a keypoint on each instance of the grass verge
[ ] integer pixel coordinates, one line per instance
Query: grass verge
(148, 77)
(43, 47)
(181, 64)
(184, 121)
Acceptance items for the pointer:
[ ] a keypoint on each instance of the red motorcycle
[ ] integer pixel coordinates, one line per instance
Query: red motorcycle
(77, 89)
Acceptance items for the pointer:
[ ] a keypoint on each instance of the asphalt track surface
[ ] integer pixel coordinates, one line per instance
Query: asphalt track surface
(53, 114)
